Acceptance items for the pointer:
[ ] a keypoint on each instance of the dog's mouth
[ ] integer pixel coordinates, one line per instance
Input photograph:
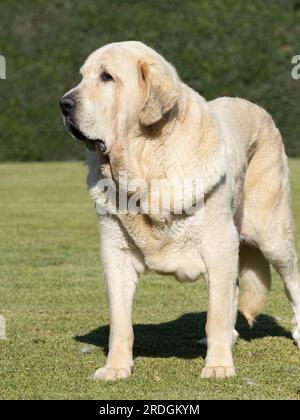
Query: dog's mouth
(92, 144)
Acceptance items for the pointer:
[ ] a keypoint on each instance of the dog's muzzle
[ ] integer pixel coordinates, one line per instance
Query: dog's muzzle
(67, 106)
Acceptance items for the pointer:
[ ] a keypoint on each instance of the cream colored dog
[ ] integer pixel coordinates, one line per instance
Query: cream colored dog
(136, 116)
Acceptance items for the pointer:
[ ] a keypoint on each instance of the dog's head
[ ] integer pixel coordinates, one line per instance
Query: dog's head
(124, 86)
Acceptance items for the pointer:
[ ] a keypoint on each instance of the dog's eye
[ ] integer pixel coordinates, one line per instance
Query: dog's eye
(106, 77)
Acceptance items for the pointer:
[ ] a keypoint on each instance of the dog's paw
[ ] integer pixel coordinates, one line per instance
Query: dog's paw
(218, 372)
(111, 374)
(296, 336)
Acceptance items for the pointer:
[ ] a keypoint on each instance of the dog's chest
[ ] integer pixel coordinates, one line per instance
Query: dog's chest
(180, 251)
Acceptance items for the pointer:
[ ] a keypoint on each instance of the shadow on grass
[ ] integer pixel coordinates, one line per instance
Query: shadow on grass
(179, 338)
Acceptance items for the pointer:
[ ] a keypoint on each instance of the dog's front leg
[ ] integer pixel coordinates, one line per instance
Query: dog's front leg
(221, 258)
(121, 275)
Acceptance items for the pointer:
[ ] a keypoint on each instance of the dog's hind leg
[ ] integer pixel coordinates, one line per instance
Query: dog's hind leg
(280, 251)
(267, 218)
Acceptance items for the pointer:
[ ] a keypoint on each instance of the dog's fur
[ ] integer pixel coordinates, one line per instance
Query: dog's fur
(154, 126)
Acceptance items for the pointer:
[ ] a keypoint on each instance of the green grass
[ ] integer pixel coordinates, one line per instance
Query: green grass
(53, 298)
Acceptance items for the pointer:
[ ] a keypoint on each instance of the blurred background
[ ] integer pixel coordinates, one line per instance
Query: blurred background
(219, 47)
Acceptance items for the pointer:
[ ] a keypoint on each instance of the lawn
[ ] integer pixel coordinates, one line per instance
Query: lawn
(53, 299)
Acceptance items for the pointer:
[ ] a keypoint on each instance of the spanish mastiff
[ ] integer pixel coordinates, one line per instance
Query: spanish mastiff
(139, 119)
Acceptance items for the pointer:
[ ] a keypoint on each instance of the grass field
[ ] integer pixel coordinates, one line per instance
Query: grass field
(52, 295)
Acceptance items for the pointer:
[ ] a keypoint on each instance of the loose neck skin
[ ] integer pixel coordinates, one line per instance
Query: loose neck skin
(186, 143)
(185, 140)
(140, 155)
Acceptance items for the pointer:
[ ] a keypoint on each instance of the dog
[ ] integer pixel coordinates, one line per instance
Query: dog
(138, 118)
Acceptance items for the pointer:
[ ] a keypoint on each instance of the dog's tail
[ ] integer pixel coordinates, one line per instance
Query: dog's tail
(255, 282)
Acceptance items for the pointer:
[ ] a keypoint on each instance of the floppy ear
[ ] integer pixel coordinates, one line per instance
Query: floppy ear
(161, 91)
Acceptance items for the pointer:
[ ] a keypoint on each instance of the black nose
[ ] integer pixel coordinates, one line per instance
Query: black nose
(67, 106)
